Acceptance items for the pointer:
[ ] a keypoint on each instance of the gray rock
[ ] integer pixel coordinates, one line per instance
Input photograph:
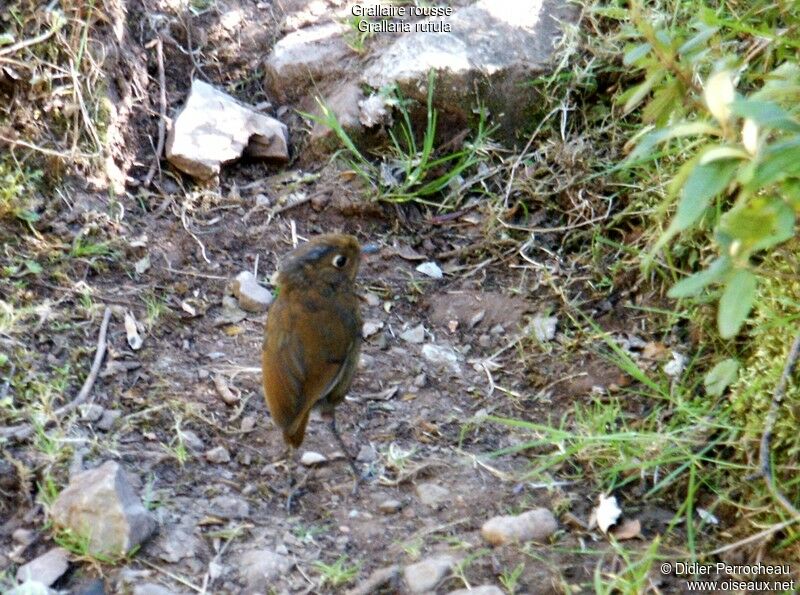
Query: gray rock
(45, 569)
(371, 327)
(493, 47)
(432, 494)
(259, 567)
(342, 101)
(23, 536)
(92, 412)
(176, 544)
(151, 589)
(426, 574)
(311, 458)
(31, 587)
(213, 128)
(479, 590)
(229, 507)
(414, 335)
(367, 454)
(544, 328)
(442, 356)
(101, 505)
(110, 416)
(192, 440)
(534, 525)
(252, 296)
(218, 455)
(248, 423)
(307, 58)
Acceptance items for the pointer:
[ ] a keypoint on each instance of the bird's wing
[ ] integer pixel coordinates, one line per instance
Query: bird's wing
(310, 356)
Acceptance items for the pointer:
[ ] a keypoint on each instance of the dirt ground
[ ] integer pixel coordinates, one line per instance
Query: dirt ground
(410, 419)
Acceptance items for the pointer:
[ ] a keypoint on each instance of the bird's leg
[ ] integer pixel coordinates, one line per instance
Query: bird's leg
(295, 486)
(335, 432)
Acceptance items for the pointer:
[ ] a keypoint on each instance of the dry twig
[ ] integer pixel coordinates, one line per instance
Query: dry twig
(162, 120)
(765, 467)
(25, 430)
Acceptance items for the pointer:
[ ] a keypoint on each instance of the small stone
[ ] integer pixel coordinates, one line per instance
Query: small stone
(248, 423)
(534, 525)
(213, 128)
(431, 269)
(252, 296)
(426, 574)
(282, 549)
(420, 380)
(229, 507)
(414, 335)
(544, 328)
(440, 355)
(373, 301)
(92, 413)
(177, 544)
(311, 458)
(101, 505)
(259, 567)
(151, 589)
(218, 454)
(23, 536)
(203, 374)
(497, 330)
(367, 454)
(107, 420)
(45, 569)
(390, 506)
(432, 494)
(371, 327)
(192, 440)
(479, 590)
(485, 341)
(382, 342)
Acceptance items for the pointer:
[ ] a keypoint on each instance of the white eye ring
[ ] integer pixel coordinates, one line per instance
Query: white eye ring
(339, 261)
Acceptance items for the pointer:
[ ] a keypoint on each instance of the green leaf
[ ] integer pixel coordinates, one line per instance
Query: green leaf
(692, 285)
(636, 53)
(766, 114)
(780, 161)
(790, 190)
(763, 222)
(736, 302)
(664, 102)
(721, 377)
(636, 95)
(703, 184)
(698, 40)
(6, 39)
(722, 152)
(682, 129)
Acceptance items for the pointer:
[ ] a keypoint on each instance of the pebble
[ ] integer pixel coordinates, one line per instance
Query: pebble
(390, 506)
(371, 327)
(534, 525)
(485, 341)
(192, 440)
(107, 420)
(367, 454)
(229, 507)
(252, 296)
(248, 423)
(218, 454)
(432, 494)
(414, 335)
(440, 355)
(260, 567)
(92, 413)
(311, 458)
(420, 380)
(431, 269)
(382, 342)
(372, 300)
(479, 590)
(23, 536)
(151, 589)
(544, 328)
(426, 574)
(45, 569)
(497, 329)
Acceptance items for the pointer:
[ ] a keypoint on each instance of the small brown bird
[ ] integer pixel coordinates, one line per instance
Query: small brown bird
(313, 335)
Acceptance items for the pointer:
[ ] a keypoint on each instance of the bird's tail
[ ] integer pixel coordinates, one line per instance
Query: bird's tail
(294, 435)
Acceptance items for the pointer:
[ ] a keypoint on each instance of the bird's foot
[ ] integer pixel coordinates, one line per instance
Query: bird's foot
(295, 492)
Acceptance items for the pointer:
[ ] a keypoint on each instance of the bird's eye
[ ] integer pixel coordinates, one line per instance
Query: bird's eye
(339, 261)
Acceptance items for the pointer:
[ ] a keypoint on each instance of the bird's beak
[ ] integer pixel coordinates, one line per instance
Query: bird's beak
(370, 249)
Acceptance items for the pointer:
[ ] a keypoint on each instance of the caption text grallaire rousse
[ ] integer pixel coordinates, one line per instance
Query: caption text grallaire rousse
(385, 11)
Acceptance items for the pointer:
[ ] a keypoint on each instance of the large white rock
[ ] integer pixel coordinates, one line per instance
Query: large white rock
(101, 506)
(213, 128)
